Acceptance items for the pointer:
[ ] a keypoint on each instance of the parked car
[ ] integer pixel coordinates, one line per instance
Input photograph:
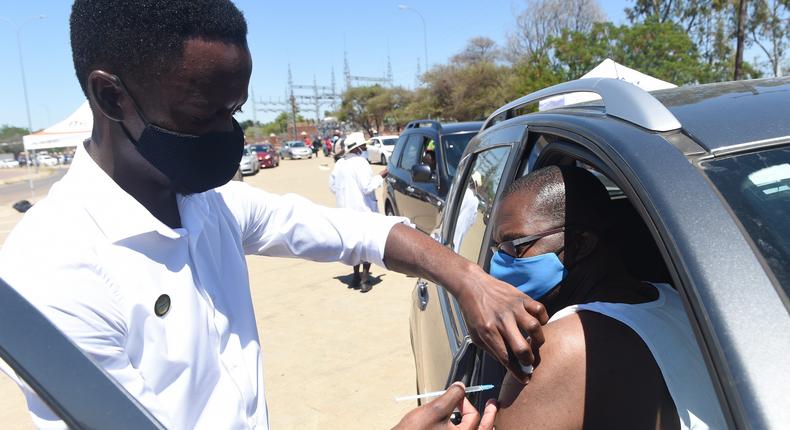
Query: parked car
(46, 160)
(249, 162)
(8, 163)
(267, 156)
(421, 168)
(700, 180)
(380, 148)
(295, 149)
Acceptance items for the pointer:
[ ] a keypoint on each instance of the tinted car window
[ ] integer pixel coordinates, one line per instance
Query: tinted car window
(411, 152)
(389, 142)
(399, 148)
(480, 188)
(453, 146)
(757, 188)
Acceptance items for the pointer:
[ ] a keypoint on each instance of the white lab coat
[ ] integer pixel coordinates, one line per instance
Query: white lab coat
(354, 184)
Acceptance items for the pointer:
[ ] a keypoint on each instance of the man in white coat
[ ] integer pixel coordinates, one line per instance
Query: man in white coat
(354, 185)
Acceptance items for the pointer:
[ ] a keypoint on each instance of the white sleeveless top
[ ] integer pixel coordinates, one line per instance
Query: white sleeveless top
(664, 327)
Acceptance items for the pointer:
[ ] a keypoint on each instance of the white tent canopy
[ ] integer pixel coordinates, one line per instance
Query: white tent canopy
(607, 69)
(70, 132)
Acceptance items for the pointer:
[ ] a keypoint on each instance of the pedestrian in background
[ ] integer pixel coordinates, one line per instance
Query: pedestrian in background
(316, 145)
(354, 185)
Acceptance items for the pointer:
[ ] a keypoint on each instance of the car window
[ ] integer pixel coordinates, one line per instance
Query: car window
(411, 152)
(757, 188)
(453, 146)
(474, 211)
(389, 142)
(396, 153)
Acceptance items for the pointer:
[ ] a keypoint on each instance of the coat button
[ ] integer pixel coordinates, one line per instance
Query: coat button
(162, 305)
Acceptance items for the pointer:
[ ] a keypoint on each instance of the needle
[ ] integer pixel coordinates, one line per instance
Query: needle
(472, 389)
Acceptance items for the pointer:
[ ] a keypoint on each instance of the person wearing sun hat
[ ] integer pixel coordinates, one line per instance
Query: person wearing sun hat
(354, 185)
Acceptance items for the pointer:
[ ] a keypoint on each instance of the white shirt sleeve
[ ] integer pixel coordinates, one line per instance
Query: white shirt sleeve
(292, 226)
(367, 181)
(333, 185)
(85, 308)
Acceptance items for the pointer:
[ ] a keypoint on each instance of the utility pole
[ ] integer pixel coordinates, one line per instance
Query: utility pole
(740, 38)
(292, 99)
(30, 155)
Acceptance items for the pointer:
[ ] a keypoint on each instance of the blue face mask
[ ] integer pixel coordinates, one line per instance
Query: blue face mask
(534, 276)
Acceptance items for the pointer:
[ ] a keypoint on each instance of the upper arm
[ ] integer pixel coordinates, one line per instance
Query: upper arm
(554, 396)
(292, 226)
(594, 372)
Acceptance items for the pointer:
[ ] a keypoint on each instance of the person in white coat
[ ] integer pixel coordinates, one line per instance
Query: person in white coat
(354, 185)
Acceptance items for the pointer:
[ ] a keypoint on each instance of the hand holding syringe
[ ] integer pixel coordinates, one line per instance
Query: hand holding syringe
(472, 389)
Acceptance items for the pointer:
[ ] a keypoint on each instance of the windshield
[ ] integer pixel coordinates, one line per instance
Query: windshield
(453, 146)
(247, 151)
(389, 142)
(261, 148)
(757, 188)
(297, 145)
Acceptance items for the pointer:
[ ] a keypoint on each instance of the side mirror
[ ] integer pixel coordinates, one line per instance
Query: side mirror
(421, 173)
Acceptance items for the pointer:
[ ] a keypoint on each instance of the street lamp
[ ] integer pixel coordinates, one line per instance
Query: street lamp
(24, 81)
(424, 30)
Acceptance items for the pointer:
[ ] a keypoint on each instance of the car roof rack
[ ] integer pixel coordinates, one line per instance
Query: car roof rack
(620, 99)
(427, 123)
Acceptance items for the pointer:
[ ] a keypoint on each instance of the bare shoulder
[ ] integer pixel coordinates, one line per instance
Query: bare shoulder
(554, 397)
(594, 372)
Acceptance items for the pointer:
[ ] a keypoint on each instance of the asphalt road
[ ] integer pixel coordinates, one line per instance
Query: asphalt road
(333, 358)
(11, 193)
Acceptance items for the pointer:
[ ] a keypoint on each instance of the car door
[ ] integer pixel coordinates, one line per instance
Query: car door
(400, 176)
(441, 345)
(426, 203)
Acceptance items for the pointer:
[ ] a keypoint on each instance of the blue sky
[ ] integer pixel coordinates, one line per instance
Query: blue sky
(308, 35)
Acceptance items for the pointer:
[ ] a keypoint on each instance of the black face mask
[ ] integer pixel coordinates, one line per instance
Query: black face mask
(193, 164)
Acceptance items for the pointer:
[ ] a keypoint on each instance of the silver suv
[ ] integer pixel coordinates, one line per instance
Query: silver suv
(700, 178)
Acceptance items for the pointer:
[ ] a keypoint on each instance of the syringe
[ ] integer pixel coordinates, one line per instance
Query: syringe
(472, 389)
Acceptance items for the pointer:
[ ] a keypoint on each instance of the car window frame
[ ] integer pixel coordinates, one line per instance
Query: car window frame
(454, 198)
(576, 145)
(412, 136)
(101, 399)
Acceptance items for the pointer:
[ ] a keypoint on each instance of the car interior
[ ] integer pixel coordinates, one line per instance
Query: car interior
(639, 250)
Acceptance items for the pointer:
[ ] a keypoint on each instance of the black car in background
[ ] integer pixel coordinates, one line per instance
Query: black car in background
(699, 179)
(421, 168)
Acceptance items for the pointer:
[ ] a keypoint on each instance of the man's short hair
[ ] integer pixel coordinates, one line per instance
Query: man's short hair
(140, 39)
(566, 196)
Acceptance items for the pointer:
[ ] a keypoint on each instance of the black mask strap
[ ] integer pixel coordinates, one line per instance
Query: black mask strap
(136, 109)
(128, 135)
(134, 102)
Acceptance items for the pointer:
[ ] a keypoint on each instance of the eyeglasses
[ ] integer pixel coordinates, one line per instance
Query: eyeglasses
(516, 247)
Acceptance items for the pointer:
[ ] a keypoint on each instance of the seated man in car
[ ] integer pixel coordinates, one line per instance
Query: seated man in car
(619, 352)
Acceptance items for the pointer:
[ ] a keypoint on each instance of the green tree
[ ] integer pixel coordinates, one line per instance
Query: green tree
(356, 107)
(660, 49)
(8, 132)
(469, 88)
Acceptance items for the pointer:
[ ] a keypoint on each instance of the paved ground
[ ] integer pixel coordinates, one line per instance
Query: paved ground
(334, 358)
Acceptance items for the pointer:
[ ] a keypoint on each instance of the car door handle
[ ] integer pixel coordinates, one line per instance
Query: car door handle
(422, 294)
(409, 189)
